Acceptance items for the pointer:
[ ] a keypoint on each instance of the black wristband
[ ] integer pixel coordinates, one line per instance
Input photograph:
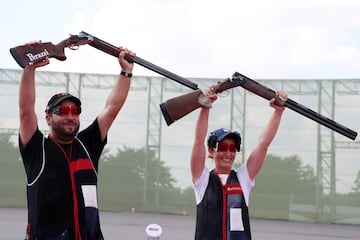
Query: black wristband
(126, 74)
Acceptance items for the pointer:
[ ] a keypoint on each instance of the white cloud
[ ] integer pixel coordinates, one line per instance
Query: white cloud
(260, 38)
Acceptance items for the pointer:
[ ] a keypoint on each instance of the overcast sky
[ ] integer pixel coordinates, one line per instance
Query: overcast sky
(259, 38)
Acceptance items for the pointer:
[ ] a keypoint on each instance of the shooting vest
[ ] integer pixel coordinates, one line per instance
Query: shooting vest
(62, 193)
(223, 214)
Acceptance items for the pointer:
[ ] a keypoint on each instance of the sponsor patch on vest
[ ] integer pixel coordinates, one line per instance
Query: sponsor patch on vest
(236, 223)
(233, 189)
(89, 194)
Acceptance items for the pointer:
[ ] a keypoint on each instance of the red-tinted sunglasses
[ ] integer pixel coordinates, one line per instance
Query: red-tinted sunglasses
(65, 110)
(224, 147)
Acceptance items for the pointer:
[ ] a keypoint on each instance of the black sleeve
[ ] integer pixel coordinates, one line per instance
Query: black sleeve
(32, 155)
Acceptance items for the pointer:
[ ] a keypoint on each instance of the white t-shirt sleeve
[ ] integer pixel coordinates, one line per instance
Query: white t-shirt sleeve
(245, 181)
(201, 184)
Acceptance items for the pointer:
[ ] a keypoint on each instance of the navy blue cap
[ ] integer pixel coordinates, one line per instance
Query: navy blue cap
(221, 133)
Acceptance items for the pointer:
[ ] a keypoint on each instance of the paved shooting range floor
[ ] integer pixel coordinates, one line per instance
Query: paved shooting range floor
(132, 226)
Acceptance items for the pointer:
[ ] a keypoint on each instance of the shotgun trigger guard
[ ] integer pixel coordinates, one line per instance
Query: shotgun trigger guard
(74, 47)
(224, 93)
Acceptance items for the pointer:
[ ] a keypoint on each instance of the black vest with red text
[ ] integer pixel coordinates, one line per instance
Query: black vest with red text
(214, 210)
(62, 192)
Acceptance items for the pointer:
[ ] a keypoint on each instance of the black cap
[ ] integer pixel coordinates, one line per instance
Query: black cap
(221, 133)
(58, 98)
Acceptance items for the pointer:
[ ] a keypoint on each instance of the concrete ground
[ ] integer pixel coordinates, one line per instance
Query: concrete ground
(132, 226)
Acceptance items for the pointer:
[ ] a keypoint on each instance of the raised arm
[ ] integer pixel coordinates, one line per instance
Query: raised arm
(257, 156)
(198, 153)
(117, 96)
(28, 119)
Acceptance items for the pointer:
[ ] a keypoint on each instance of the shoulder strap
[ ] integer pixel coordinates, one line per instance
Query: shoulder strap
(87, 153)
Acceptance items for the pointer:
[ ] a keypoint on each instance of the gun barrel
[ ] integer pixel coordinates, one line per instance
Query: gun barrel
(114, 51)
(166, 73)
(268, 94)
(299, 108)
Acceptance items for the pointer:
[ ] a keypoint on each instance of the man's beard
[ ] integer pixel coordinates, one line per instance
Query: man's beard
(60, 130)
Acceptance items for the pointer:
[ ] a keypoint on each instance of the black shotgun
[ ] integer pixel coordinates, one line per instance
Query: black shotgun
(176, 108)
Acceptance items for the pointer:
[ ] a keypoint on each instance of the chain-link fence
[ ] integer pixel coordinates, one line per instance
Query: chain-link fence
(310, 174)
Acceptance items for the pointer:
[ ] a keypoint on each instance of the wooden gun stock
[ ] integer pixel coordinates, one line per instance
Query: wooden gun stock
(114, 51)
(176, 108)
(29, 54)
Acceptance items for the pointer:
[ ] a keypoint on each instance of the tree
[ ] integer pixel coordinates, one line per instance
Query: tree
(12, 174)
(135, 179)
(8, 151)
(281, 182)
(286, 176)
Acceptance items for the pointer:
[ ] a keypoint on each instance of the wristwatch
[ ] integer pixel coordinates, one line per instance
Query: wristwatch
(126, 74)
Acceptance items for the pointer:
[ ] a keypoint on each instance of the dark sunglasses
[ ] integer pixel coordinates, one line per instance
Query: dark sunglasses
(224, 147)
(65, 110)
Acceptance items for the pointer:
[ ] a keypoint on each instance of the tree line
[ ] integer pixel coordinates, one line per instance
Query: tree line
(134, 180)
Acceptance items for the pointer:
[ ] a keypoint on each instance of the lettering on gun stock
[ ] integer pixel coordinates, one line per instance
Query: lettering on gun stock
(34, 57)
